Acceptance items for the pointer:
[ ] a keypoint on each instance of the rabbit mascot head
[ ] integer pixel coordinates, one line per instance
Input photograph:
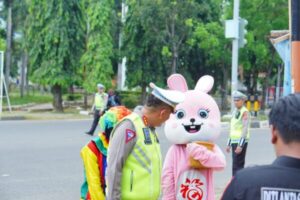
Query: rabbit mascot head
(198, 117)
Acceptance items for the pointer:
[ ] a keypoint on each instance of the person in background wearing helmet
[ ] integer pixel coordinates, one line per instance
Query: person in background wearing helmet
(99, 106)
(94, 155)
(239, 132)
(134, 156)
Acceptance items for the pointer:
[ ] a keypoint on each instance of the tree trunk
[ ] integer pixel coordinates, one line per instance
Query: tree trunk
(71, 91)
(57, 98)
(23, 73)
(174, 59)
(85, 100)
(8, 44)
(224, 103)
(27, 83)
(266, 82)
(265, 89)
(144, 94)
(174, 48)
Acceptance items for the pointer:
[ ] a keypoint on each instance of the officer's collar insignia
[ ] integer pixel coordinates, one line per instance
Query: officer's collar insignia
(145, 120)
(130, 134)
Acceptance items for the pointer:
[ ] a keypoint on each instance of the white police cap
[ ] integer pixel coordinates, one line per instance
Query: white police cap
(170, 97)
(99, 85)
(237, 95)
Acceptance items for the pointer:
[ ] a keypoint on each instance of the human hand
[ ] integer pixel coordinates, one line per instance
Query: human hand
(238, 150)
(228, 149)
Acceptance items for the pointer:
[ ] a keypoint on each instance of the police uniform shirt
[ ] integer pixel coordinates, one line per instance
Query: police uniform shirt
(104, 97)
(278, 181)
(118, 152)
(245, 120)
(120, 147)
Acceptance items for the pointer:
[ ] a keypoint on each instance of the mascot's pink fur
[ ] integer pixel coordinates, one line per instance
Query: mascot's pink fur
(197, 119)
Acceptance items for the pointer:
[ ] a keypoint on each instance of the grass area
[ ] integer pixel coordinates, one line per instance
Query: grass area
(44, 115)
(36, 98)
(69, 113)
(15, 99)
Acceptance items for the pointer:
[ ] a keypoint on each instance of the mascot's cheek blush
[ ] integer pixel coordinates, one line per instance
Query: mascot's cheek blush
(174, 125)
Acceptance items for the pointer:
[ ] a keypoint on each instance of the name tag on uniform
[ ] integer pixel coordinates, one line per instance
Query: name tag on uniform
(268, 193)
(147, 136)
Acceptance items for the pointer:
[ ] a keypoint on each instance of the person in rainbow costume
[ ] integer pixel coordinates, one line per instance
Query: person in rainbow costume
(94, 155)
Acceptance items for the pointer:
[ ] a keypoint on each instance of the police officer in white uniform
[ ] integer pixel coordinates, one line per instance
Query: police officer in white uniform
(134, 156)
(281, 179)
(100, 102)
(239, 132)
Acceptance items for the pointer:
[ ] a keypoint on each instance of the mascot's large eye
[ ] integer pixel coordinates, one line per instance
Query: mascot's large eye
(203, 113)
(180, 114)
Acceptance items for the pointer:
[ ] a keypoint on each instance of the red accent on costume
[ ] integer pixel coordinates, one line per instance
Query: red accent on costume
(191, 189)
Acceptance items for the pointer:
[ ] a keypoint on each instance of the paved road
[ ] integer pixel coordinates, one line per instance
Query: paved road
(39, 160)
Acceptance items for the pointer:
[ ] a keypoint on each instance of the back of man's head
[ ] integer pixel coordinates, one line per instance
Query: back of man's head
(285, 117)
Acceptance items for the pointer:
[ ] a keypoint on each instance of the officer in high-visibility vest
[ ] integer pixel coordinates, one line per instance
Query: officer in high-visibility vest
(134, 156)
(94, 155)
(99, 106)
(239, 132)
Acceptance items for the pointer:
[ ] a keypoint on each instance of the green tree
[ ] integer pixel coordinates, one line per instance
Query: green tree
(21, 47)
(96, 61)
(9, 36)
(157, 32)
(55, 39)
(15, 13)
(173, 22)
(259, 54)
(2, 38)
(214, 52)
(142, 47)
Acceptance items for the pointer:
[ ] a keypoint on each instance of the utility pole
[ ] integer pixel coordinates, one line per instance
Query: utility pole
(235, 52)
(122, 63)
(235, 30)
(295, 44)
(3, 85)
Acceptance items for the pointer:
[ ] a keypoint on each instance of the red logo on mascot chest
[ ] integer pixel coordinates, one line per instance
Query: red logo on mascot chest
(191, 189)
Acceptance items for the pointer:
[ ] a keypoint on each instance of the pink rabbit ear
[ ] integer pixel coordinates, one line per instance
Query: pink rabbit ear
(177, 82)
(205, 83)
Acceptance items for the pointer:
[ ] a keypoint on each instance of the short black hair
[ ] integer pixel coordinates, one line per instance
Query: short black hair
(285, 116)
(154, 102)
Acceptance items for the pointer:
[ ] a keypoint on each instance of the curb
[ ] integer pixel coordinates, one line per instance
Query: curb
(12, 118)
(253, 125)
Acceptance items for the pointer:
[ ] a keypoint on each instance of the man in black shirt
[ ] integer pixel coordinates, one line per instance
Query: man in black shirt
(281, 179)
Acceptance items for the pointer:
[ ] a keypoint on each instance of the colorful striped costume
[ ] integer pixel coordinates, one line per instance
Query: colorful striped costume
(94, 155)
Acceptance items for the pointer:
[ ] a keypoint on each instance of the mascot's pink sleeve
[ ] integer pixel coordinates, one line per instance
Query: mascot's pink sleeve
(180, 181)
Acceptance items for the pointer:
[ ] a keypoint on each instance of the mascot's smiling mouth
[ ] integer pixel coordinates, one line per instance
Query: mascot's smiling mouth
(194, 128)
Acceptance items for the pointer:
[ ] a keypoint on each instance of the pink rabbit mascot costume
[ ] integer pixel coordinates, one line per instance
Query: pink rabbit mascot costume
(191, 160)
